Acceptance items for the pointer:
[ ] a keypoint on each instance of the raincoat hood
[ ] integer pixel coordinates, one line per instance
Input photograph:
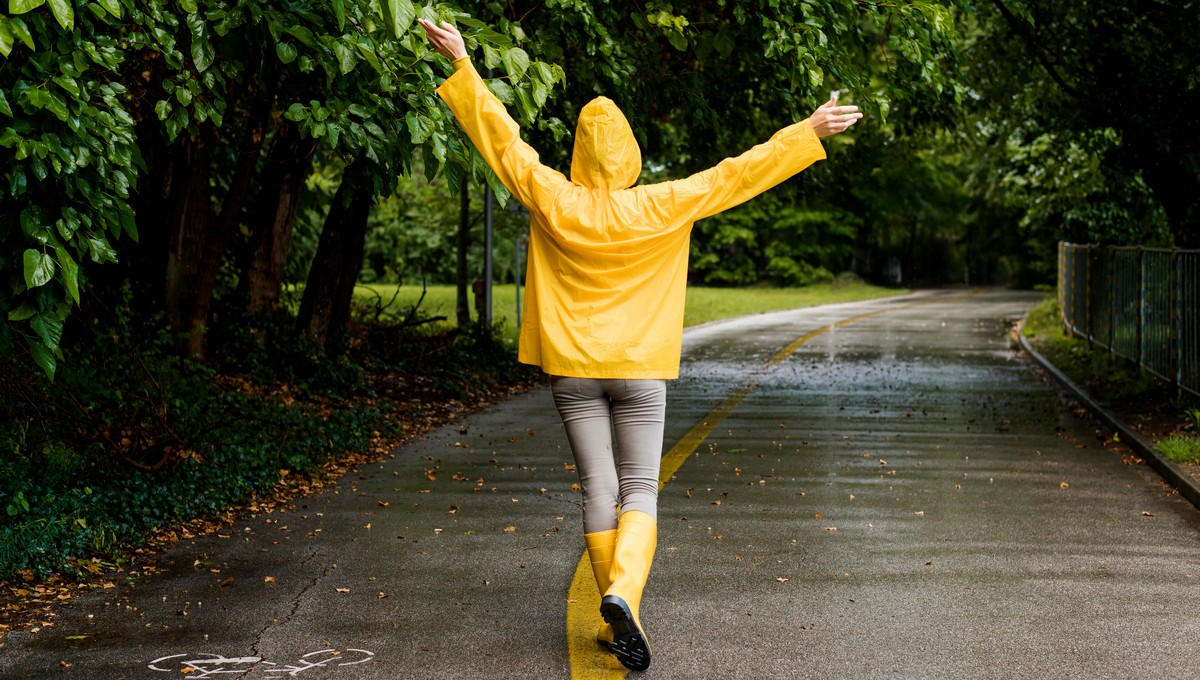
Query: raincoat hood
(606, 154)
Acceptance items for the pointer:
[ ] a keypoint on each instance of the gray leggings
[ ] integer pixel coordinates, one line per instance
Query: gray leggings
(592, 409)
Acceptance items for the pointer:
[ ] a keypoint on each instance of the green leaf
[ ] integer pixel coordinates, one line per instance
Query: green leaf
(401, 15)
(4, 107)
(43, 357)
(188, 6)
(21, 30)
(113, 7)
(419, 127)
(677, 40)
(498, 39)
(203, 53)
(162, 109)
(503, 91)
(302, 34)
(19, 183)
(367, 49)
(69, 84)
(64, 13)
(884, 107)
(491, 57)
(286, 52)
(6, 37)
(339, 11)
(49, 328)
(297, 112)
(70, 273)
(101, 252)
(346, 58)
(516, 62)
(525, 105)
(39, 268)
(23, 6)
(25, 311)
(56, 105)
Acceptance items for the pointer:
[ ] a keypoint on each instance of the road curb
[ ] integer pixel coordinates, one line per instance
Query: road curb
(1172, 473)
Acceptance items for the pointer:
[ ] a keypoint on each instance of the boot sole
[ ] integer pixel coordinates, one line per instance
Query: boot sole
(629, 643)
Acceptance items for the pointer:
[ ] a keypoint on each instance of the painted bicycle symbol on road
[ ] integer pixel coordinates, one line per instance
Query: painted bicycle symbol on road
(205, 665)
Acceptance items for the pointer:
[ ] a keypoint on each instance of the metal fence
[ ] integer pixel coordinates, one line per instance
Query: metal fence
(1140, 303)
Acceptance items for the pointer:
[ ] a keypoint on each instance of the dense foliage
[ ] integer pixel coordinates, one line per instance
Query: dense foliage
(142, 126)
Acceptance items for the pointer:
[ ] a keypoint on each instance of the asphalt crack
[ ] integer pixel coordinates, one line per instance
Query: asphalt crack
(296, 600)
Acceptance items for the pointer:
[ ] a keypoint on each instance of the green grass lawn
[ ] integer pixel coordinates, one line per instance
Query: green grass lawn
(703, 304)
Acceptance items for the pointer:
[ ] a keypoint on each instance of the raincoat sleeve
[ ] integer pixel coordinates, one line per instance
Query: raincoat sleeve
(734, 181)
(497, 137)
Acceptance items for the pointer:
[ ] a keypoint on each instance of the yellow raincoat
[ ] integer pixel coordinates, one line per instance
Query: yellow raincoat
(607, 271)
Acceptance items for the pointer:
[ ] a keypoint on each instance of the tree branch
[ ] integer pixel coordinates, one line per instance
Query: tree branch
(1031, 41)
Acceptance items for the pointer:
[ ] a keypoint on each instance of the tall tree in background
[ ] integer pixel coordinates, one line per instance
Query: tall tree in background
(1088, 111)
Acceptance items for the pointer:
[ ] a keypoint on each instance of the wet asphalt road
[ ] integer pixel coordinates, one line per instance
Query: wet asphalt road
(901, 497)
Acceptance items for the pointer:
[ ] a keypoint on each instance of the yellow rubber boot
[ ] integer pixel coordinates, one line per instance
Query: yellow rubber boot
(600, 547)
(637, 537)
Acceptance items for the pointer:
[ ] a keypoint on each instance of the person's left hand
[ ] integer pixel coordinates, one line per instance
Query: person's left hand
(830, 119)
(447, 41)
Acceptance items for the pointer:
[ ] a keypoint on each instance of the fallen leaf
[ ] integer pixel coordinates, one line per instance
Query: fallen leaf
(268, 579)
(717, 502)
(1147, 514)
(819, 516)
(1063, 485)
(227, 582)
(830, 528)
(919, 513)
(510, 529)
(384, 504)
(381, 596)
(782, 579)
(342, 590)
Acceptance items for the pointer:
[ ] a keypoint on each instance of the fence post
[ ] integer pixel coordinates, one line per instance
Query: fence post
(1063, 298)
(1112, 302)
(1140, 275)
(1087, 292)
(1176, 318)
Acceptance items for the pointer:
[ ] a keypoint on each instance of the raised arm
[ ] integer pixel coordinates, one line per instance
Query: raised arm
(492, 130)
(736, 180)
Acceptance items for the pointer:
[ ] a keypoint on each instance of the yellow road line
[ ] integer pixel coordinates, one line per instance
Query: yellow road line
(588, 660)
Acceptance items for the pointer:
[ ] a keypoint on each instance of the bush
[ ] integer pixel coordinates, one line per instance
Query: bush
(131, 438)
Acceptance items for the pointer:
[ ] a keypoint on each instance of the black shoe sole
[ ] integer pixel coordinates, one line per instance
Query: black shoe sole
(629, 642)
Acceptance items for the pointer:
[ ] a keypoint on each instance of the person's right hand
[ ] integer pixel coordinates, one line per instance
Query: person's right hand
(447, 41)
(830, 119)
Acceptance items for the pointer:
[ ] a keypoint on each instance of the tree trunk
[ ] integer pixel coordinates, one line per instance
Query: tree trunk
(218, 236)
(325, 307)
(286, 169)
(463, 242)
(187, 221)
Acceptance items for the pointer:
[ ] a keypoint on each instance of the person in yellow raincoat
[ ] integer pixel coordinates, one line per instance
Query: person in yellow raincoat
(604, 302)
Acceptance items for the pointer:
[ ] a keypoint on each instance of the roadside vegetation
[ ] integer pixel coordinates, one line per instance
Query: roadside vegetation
(1141, 400)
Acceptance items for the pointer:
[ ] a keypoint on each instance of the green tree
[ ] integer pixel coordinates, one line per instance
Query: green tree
(1086, 112)
(145, 127)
